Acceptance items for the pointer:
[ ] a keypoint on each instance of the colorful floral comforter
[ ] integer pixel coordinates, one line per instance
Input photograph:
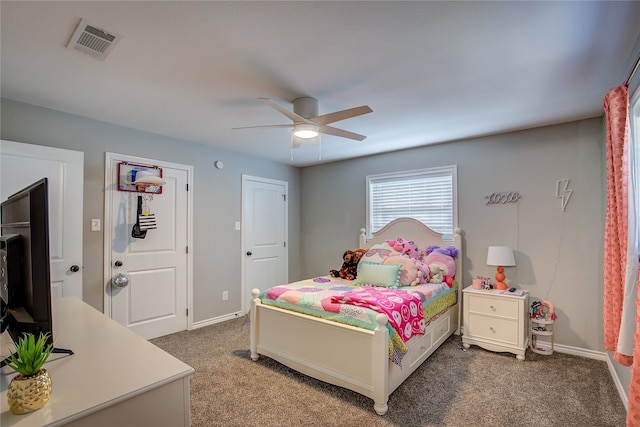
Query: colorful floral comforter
(402, 308)
(325, 297)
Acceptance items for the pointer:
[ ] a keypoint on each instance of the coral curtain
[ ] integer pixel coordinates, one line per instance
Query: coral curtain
(620, 266)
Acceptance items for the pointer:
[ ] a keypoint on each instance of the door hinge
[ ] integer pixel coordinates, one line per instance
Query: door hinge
(285, 244)
(187, 249)
(187, 187)
(187, 312)
(284, 196)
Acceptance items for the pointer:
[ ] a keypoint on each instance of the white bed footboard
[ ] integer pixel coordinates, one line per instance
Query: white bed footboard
(347, 356)
(350, 357)
(344, 355)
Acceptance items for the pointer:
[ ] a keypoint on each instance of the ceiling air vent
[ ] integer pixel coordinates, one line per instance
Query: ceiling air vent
(93, 41)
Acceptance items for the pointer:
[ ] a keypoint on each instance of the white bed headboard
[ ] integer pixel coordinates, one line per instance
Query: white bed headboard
(420, 234)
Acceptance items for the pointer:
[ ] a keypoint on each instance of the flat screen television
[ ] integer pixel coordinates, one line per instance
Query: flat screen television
(25, 278)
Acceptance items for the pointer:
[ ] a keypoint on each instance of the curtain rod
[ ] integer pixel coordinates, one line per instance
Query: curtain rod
(633, 71)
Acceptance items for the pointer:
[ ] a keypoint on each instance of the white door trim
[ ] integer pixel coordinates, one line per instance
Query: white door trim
(243, 251)
(109, 178)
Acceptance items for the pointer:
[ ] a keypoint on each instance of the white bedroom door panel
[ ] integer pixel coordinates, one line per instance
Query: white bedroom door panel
(264, 208)
(22, 165)
(155, 300)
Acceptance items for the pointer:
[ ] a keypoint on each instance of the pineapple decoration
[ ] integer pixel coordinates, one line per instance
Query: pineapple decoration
(30, 390)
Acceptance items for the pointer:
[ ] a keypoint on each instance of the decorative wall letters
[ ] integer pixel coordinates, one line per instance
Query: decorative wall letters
(503, 197)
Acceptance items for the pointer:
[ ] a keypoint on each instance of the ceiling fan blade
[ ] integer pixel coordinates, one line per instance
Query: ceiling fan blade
(341, 115)
(264, 126)
(293, 116)
(330, 130)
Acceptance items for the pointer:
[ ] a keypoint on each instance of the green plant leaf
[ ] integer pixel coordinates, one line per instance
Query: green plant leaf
(30, 354)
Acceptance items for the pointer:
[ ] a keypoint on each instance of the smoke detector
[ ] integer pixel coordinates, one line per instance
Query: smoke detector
(93, 41)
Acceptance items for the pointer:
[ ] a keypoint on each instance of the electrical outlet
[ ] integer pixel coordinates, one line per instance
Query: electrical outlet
(95, 225)
(225, 295)
(237, 225)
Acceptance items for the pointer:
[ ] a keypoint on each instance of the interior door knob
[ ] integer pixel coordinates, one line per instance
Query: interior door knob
(120, 281)
(74, 269)
(249, 253)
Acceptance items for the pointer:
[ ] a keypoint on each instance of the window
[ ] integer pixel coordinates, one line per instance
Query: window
(427, 195)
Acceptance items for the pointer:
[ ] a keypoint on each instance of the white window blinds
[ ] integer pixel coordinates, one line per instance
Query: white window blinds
(426, 195)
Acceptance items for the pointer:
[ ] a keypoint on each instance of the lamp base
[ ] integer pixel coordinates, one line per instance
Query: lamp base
(501, 286)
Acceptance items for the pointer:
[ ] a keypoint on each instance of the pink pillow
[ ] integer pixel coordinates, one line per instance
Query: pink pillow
(409, 272)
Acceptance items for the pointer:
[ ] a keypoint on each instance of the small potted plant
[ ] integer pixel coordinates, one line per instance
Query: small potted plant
(30, 390)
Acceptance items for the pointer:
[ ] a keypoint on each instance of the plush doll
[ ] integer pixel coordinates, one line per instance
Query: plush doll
(349, 269)
(409, 272)
(405, 247)
(443, 258)
(424, 273)
(435, 275)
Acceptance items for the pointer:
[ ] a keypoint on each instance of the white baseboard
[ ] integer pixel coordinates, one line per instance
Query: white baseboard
(622, 389)
(214, 320)
(582, 352)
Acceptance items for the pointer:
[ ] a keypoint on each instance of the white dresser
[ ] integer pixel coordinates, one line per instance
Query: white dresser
(496, 321)
(115, 377)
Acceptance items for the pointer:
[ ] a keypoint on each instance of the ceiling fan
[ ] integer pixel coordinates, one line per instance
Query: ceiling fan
(307, 124)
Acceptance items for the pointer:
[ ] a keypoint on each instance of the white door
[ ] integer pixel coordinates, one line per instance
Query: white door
(155, 301)
(23, 164)
(264, 235)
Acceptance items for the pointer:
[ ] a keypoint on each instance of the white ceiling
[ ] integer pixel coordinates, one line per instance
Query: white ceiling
(431, 71)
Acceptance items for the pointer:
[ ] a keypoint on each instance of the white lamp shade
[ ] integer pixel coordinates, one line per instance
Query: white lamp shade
(501, 256)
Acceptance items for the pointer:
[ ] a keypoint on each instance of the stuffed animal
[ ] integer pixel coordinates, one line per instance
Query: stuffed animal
(435, 275)
(443, 258)
(349, 269)
(424, 273)
(409, 272)
(405, 247)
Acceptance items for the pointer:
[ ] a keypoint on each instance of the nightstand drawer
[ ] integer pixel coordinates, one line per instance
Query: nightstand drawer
(501, 307)
(497, 330)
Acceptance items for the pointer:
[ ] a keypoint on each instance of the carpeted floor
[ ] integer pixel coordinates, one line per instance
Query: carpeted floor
(454, 387)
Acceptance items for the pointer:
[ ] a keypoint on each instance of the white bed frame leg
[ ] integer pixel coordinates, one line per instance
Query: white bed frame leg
(253, 317)
(380, 366)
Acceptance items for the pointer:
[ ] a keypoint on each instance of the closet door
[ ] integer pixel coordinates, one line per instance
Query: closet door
(23, 164)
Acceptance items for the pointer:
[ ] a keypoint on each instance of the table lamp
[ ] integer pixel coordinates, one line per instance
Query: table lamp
(500, 256)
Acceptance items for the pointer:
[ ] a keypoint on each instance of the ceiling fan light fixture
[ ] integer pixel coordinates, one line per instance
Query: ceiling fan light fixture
(305, 130)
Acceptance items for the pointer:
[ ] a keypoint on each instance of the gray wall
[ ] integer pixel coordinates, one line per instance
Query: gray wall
(559, 254)
(216, 198)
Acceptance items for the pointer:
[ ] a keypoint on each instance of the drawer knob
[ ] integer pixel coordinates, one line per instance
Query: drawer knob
(491, 329)
(492, 308)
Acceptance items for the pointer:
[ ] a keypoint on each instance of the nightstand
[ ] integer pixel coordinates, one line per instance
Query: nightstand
(496, 320)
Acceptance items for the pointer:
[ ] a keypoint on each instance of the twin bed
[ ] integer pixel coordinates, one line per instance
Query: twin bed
(364, 353)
